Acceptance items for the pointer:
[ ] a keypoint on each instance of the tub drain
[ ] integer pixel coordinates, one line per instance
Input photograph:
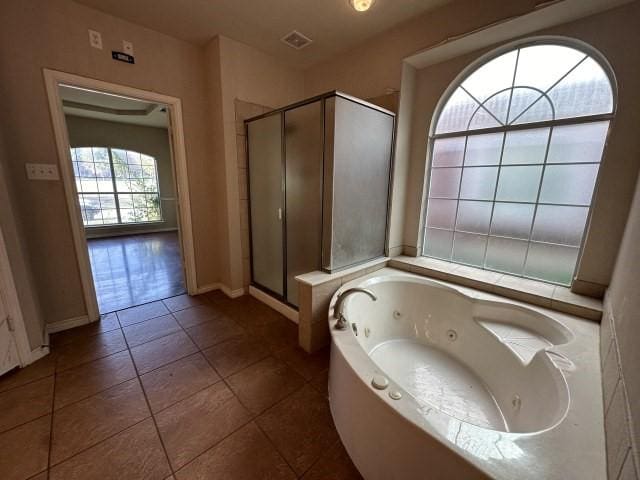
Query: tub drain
(452, 336)
(516, 401)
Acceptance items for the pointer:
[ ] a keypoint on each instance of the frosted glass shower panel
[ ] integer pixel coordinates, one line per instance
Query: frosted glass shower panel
(303, 180)
(358, 142)
(266, 201)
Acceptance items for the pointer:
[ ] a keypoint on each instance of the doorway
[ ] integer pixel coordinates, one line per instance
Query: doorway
(123, 168)
(15, 349)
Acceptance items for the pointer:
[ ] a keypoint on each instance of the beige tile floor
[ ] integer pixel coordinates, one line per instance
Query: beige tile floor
(185, 388)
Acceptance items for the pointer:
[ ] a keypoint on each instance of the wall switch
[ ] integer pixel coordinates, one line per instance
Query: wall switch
(127, 47)
(42, 171)
(95, 39)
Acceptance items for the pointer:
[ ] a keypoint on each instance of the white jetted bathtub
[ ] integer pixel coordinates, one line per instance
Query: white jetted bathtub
(435, 381)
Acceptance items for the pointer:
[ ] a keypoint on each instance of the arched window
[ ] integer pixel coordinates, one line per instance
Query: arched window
(116, 186)
(514, 155)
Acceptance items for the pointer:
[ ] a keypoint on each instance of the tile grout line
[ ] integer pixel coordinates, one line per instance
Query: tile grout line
(272, 353)
(223, 380)
(618, 474)
(26, 423)
(191, 395)
(26, 383)
(53, 410)
(220, 379)
(322, 455)
(94, 359)
(255, 416)
(271, 441)
(109, 436)
(79, 452)
(251, 420)
(53, 399)
(95, 393)
(252, 417)
(277, 450)
(146, 399)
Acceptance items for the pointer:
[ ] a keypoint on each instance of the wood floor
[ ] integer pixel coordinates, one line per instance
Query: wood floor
(135, 269)
(189, 388)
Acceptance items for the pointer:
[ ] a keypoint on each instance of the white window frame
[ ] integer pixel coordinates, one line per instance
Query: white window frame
(459, 80)
(115, 193)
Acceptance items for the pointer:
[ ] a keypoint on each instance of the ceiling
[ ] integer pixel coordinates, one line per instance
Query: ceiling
(332, 24)
(103, 106)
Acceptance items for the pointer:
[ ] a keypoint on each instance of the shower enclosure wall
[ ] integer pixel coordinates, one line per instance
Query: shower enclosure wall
(319, 178)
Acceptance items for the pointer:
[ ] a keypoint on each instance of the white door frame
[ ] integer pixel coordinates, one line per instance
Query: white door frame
(53, 79)
(9, 295)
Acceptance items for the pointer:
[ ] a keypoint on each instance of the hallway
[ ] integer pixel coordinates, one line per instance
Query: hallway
(135, 269)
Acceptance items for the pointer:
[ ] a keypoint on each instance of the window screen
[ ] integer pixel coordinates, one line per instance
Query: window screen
(515, 155)
(116, 186)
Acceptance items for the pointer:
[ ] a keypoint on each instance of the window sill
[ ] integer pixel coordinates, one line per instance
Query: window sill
(119, 225)
(542, 294)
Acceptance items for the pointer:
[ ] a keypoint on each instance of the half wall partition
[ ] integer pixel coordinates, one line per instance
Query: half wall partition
(319, 180)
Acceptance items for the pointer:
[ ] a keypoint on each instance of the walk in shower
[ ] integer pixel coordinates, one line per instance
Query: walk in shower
(319, 189)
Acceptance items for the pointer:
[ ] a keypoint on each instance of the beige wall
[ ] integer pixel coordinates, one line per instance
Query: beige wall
(376, 65)
(13, 235)
(609, 32)
(153, 141)
(240, 72)
(620, 355)
(53, 34)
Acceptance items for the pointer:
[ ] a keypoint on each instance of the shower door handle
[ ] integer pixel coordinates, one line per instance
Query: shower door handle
(280, 214)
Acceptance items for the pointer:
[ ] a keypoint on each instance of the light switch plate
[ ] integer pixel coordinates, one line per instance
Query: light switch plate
(95, 39)
(42, 171)
(127, 47)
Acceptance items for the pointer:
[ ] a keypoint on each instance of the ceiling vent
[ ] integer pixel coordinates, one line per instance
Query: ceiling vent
(296, 40)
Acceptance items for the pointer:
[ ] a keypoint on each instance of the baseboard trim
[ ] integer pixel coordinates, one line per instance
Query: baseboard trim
(207, 288)
(98, 235)
(220, 286)
(68, 323)
(277, 305)
(38, 353)
(232, 293)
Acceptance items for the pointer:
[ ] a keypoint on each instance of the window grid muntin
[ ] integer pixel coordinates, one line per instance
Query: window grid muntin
(577, 119)
(486, 237)
(115, 193)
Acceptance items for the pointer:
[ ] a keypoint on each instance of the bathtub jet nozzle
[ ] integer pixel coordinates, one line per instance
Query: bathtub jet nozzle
(342, 323)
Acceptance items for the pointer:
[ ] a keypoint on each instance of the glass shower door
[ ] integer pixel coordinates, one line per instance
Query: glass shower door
(266, 202)
(303, 153)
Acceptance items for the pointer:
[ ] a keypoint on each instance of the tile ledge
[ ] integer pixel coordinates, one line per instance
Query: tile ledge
(318, 277)
(559, 298)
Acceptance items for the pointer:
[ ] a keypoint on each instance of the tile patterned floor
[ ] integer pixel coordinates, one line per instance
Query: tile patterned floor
(185, 388)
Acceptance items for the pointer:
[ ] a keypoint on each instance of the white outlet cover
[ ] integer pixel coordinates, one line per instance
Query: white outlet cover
(127, 47)
(42, 171)
(95, 39)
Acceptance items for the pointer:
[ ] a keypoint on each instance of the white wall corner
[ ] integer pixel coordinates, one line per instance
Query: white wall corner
(37, 354)
(238, 292)
(207, 288)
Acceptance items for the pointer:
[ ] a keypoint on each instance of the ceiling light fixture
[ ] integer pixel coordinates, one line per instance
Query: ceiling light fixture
(361, 5)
